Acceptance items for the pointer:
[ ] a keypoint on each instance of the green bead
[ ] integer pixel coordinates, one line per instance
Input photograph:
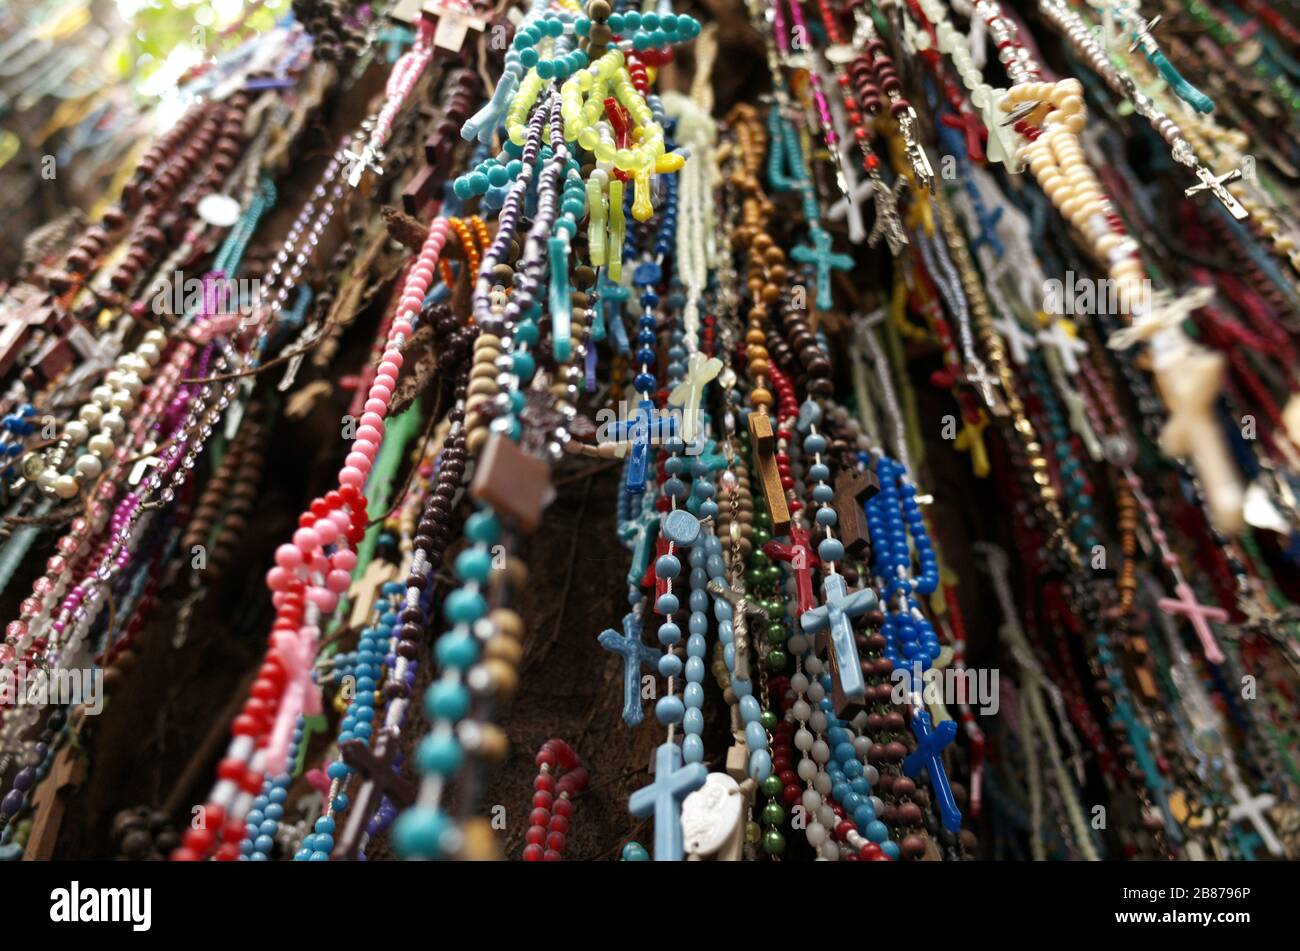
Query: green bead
(773, 842)
(753, 578)
(771, 785)
(760, 560)
(760, 536)
(768, 719)
(773, 814)
(776, 661)
(753, 833)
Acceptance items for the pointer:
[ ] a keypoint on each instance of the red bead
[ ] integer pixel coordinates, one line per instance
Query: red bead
(539, 817)
(535, 835)
(555, 841)
(543, 799)
(544, 781)
(563, 807)
(533, 852)
(553, 856)
(792, 794)
(559, 824)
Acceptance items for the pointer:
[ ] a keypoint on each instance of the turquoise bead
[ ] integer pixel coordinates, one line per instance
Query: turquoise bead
(440, 755)
(446, 700)
(524, 365)
(464, 606)
(419, 831)
(457, 651)
(634, 851)
(483, 527)
(473, 564)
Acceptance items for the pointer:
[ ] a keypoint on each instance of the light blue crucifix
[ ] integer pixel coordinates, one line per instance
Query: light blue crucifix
(634, 653)
(640, 532)
(836, 617)
(928, 755)
(612, 295)
(819, 253)
(644, 428)
(664, 796)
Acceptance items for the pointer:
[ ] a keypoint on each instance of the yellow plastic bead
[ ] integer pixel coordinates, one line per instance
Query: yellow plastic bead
(642, 209)
(669, 162)
(604, 151)
(589, 138)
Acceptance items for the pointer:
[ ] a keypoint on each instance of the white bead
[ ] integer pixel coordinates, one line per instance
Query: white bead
(149, 352)
(65, 487)
(102, 445)
(799, 683)
(101, 395)
(123, 401)
(861, 744)
(803, 740)
(816, 834)
(77, 432)
(830, 850)
(89, 466)
(798, 644)
(91, 414)
(812, 800)
(820, 751)
(871, 774)
(113, 422)
(807, 770)
(46, 479)
(823, 783)
(816, 692)
(815, 667)
(877, 805)
(131, 383)
(826, 816)
(801, 710)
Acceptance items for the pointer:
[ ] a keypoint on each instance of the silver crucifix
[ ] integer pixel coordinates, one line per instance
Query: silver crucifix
(742, 609)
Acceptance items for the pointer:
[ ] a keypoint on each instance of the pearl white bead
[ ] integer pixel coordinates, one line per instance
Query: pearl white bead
(799, 683)
(89, 466)
(77, 432)
(823, 783)
(812, 800)
(122, 400)
(816, 834)
(803, 740)
(801, 710)
(807, 770)
(101, 395)
(65, 486)
(91, 414)
(113, 422)
(46, 479)
(101, 444)
(820, 751)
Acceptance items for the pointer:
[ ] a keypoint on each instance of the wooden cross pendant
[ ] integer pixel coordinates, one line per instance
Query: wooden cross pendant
(764, 445)
(851, 490)
(49, 803)
(379, 779)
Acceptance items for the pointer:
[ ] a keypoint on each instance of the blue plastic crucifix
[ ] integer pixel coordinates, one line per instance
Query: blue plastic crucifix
(928, 755)
(645, 427)
(820, 254)
(634, 654)
(612, 295)
(664, 797)
(836, 617)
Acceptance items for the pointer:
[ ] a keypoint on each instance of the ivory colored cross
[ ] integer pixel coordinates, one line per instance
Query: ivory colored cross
(742, 609)
(801, 558)
(1067, 346)
(1200, 615)
(1167, 312)
(663, 798)
(928, 755)
(688, 394)
(1019, 340)
(634, 653)
(49, 801)
(988, 386)
(1255, 810)
(836, 618)
(820, 254)
(380, 778)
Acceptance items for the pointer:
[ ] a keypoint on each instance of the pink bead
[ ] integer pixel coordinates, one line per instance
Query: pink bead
(378, 407)
(423, 272)
(386, 379)
(344, 560)
(403, 327)
(368, 433)
(277, 579)
(324, 599)
(326, 530)
(15, 630)
(358, 459)
(351, 475)
(389, 368)
(7, 654)
(288, 556)
(342, 519)
(380, 392)
(338, 581)
(394, 357)
(374, 421)
(367, 448)
(306, 539)
(411, 303)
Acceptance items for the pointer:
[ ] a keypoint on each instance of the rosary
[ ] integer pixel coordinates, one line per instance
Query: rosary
(817, 430)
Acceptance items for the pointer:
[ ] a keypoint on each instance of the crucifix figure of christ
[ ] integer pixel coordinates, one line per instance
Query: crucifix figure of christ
(928, 755)
(836, 618)
(634, 653)
(988, 386)
(1214, 184)
(379, 779)
(742, 610)
(801, 558)
(663, 798)
(1200, 616)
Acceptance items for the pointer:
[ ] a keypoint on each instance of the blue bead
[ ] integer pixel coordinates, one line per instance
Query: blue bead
(667, 566)
(483, 527)
(755, 736)
(693, 721)
(830, 549)
(446, 700)
(464, 606)
(749, 709)
(695, 670)
(669, 633)
(440, 755)
(760, 763)
(456, 650)
(693, 695)
(669, 710)
(692, 748)
(418, 832)
(876, 831)
(670, 665)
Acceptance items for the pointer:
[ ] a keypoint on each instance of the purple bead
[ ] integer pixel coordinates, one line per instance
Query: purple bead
(25, 779)
(12, 802)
